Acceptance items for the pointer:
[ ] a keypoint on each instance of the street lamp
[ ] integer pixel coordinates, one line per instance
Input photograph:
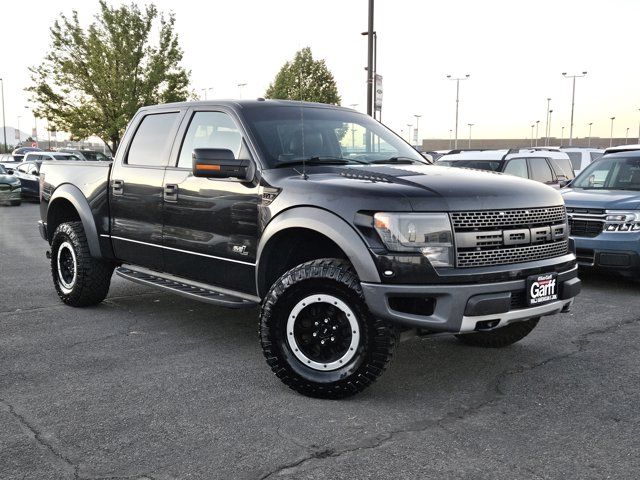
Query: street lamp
(549, 134)
(532, 135)
(573, 98)
(611, 134)
(4, 122)
(372, 61)
(470, 125)
(409, 125)
(546, 131)
(457, 80)
(562, 136)
(450, 131)
(417, 135)
(240, 87)
(537, 122)
(626, 137)
(589, 142)
(204, 90)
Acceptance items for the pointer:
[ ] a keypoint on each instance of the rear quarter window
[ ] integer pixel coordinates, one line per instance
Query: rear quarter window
(576, 159)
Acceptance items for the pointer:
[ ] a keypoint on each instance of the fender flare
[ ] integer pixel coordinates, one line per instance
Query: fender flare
(327, 224)
(77, 199)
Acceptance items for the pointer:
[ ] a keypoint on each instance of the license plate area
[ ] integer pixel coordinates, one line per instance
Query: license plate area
(542, 289)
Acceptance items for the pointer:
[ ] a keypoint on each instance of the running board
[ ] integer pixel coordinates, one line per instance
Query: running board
(188, 288)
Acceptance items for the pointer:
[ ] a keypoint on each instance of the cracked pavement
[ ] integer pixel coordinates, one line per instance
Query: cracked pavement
(149, 385)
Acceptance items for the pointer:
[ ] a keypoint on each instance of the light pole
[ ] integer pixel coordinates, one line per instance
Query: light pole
(562, 136)
(611, 134)
(537, 122)
(204, 90)
(417, 135)
(353, 130)
(370, 73)
(409, 125)
(240, 87)
(4, 122)
(375, 65)
(546, 131)
(589, 142)
(532, 135)
(549, 134)
(573, 101)
(457, 80)
(450, 131)
(470, 125)
(626, 137)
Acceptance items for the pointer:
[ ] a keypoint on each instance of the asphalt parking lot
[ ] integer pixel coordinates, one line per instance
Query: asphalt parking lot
(151, 385)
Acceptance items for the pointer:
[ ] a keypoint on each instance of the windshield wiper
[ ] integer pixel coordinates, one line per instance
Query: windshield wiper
(318, 161)
(400, 160)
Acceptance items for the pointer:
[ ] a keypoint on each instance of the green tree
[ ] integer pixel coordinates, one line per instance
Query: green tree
(94, 79)
(305, 79)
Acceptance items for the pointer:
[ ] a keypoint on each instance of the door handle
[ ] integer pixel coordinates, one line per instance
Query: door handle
(117, 187)
(171, 192)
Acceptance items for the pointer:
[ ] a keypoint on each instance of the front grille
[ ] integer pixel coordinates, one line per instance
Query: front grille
(585, 228)
(508, 218)
(504, 256)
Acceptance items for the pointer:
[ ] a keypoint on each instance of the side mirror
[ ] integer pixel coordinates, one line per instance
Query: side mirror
(219, 163)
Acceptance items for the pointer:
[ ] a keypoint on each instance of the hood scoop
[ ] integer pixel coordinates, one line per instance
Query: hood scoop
(368, 176)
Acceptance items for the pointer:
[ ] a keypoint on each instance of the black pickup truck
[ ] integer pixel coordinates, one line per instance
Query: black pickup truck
(322, 217)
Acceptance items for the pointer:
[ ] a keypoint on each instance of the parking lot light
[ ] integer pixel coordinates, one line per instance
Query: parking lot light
(457, 80)
(611, 134)
(573, 101)
(589, 138)
(547, 131)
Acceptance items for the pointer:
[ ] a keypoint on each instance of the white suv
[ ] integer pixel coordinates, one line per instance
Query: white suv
(582, 157)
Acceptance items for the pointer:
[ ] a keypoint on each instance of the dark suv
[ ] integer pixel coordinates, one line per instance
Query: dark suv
(329, 222)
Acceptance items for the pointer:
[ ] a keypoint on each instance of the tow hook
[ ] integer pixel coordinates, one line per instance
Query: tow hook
(48, 254)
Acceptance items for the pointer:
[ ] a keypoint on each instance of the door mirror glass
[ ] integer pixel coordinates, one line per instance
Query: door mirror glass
(219, 163)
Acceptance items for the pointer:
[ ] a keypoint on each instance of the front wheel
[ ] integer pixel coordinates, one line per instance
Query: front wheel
(318, 335)
(80, 279)
(500, 337)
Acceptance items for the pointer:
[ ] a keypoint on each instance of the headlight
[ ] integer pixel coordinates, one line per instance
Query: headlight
(622, 221)
(426, 233)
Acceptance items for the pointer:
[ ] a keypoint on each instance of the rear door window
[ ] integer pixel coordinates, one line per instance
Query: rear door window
(540, 170)
(150, 145)
(595, 155)
(576, 159)
(517, 167)
(563, 166)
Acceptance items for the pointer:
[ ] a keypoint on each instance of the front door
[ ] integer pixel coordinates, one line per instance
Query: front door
(210, 225)
(135, 189)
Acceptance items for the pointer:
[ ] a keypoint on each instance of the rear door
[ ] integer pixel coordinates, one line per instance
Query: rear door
(210, 225)
(135, 188)
(540, 171)
(28, 173)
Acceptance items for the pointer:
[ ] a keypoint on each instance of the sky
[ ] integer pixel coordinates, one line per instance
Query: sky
(514, 51)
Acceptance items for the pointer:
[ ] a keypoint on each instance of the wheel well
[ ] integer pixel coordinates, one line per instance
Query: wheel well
(60, 211)
(289, 248)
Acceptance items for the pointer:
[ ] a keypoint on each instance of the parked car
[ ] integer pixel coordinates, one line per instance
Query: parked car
(250, 203)
(19, 153)
(603, 206)
(582, 157)
(90, 155)
(28, 173)
(10, 188)
(549, 167)
(622, 148)
(42, 156)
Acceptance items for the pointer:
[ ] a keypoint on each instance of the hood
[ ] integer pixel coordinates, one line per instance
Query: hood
(602, 199)
(465, 189)
(10, 179)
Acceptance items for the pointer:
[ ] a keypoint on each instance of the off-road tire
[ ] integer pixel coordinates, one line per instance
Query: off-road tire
(501, 337)
(92, 277)
(377, 340)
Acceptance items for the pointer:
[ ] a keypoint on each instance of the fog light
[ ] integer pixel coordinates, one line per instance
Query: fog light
(611, 227)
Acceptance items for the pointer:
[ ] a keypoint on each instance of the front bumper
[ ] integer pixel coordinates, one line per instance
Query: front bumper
(10, 195)
(616, 251)
(459, 308)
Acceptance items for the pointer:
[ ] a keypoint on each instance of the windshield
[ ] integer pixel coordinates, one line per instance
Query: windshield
(291, 134)
(611, 174)
(492, 165)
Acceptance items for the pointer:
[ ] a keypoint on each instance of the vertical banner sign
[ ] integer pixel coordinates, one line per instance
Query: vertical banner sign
(378, 99)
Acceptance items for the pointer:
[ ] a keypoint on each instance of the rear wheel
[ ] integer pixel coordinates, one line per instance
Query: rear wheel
(500, 337)
(318, 335)
(80, 280)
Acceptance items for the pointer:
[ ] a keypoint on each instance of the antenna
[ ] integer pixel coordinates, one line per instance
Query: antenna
(304, 155)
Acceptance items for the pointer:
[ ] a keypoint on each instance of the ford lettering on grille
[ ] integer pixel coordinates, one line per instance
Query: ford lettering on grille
(501, 237)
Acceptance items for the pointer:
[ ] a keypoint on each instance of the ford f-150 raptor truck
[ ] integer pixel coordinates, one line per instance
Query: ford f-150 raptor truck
(329, 222)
